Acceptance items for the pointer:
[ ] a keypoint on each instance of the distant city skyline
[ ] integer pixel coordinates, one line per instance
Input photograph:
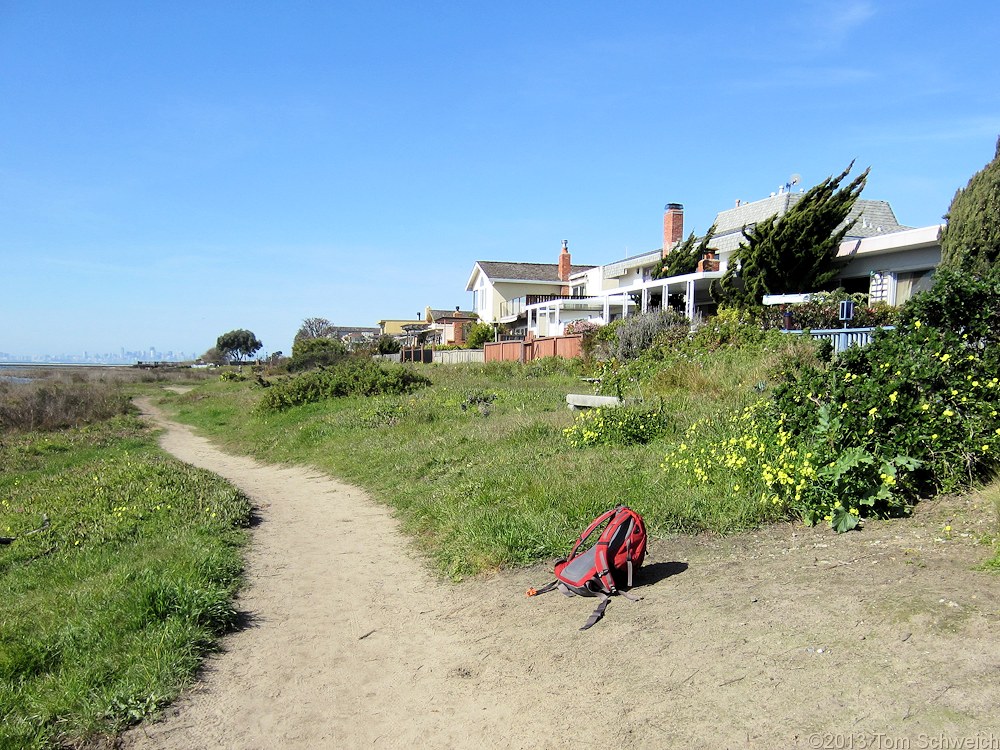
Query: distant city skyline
(174, 172)
(122, 356)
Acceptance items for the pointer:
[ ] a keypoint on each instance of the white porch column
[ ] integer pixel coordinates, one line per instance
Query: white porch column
(528, 318)
(689, 299)
(645, 300)
(893, 280)
(607, 310)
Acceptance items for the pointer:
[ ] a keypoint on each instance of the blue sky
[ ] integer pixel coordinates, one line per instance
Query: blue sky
(171, 171)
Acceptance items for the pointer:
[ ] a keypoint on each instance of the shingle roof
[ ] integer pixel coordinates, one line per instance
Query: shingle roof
(874, 218)
(526, 271)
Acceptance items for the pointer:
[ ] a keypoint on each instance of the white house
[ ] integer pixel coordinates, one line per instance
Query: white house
(887, 260)
(501, 290)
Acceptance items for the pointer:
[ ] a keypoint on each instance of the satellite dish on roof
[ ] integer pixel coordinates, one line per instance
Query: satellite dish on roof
(795, 179)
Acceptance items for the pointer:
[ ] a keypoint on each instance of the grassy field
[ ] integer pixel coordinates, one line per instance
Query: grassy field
(117, 572)
(477, 465)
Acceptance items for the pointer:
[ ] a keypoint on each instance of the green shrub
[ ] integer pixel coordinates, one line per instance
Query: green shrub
(310, 353)
(637, 333)
(963, 303)
(822, 311)
(479, 334)
(352, 377)
(617, 425)
(732, 327)
(386, 345)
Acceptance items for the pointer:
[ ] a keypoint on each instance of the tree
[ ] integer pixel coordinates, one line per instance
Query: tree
(238, 345)
(971, 238)
(314, 328)
(797, 252)
(683, 258)
(479, 334)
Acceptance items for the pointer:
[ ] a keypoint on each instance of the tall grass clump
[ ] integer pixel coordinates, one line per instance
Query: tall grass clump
(48, 405)
(118, 568)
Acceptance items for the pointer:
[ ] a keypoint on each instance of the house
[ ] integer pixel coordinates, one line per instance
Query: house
(394, 327)
(885, 259)
(452, 325)
(502, 290)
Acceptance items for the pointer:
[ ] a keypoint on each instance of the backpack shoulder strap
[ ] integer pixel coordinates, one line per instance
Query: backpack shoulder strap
(593, 527)
(598, 612)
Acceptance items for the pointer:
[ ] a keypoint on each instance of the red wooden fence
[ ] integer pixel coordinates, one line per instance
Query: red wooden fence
(567, 347)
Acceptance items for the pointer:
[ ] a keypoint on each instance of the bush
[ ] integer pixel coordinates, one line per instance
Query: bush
(636, 334)
(479, 334)
(911, 415)
(386, 344)
(964, 303)
(353, 377)
(52, 406)
(617, 425)
(823, 311)
(310, 353)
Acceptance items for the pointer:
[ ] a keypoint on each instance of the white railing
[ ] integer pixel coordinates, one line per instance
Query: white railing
(843, 338)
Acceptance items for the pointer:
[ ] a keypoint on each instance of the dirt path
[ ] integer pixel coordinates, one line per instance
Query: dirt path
(789, 637)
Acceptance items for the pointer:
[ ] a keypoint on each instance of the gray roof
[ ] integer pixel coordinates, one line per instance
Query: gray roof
(526, 271)
(874, 218)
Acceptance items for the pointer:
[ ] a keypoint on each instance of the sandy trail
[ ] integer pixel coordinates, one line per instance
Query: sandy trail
(788, 637)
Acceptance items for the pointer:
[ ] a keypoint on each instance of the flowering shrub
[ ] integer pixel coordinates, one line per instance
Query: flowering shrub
(823, 311)
(616, 425)
(755, 454)
(583, 327)
(919, 392)
(913, 414)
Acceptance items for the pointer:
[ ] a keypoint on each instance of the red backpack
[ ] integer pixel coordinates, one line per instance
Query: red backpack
(608, 566)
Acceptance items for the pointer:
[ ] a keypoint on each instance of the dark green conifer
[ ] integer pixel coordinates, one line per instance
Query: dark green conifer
(971, 239)
(683, 258)
(797, 252)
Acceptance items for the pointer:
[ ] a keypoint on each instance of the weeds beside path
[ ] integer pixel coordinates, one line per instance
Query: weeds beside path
(757, 640)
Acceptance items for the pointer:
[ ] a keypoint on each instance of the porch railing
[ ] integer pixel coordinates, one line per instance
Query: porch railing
(844, 338)
(513, 308)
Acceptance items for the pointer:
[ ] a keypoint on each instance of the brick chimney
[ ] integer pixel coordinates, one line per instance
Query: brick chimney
(564, 266)
(709, 262)
(673, 226)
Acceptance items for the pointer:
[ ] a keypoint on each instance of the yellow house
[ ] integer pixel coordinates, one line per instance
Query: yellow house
(395, 327)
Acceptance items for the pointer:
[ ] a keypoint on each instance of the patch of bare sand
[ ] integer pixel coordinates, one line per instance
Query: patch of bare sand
(764, 640)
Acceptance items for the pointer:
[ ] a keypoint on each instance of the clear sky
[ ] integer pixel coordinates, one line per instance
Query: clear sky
(171, 171)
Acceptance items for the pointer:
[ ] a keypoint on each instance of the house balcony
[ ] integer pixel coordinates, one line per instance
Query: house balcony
(515, 308)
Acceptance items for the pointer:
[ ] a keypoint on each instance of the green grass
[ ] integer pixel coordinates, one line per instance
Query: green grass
(991, 493)
(107, 610)
(488, 486)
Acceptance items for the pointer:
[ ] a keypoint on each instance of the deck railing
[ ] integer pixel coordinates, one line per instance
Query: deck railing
(844, 338)
(516, 306)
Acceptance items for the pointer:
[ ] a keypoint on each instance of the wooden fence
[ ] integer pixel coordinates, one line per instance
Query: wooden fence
(444, 357)
(567, 347)
(458, 356)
